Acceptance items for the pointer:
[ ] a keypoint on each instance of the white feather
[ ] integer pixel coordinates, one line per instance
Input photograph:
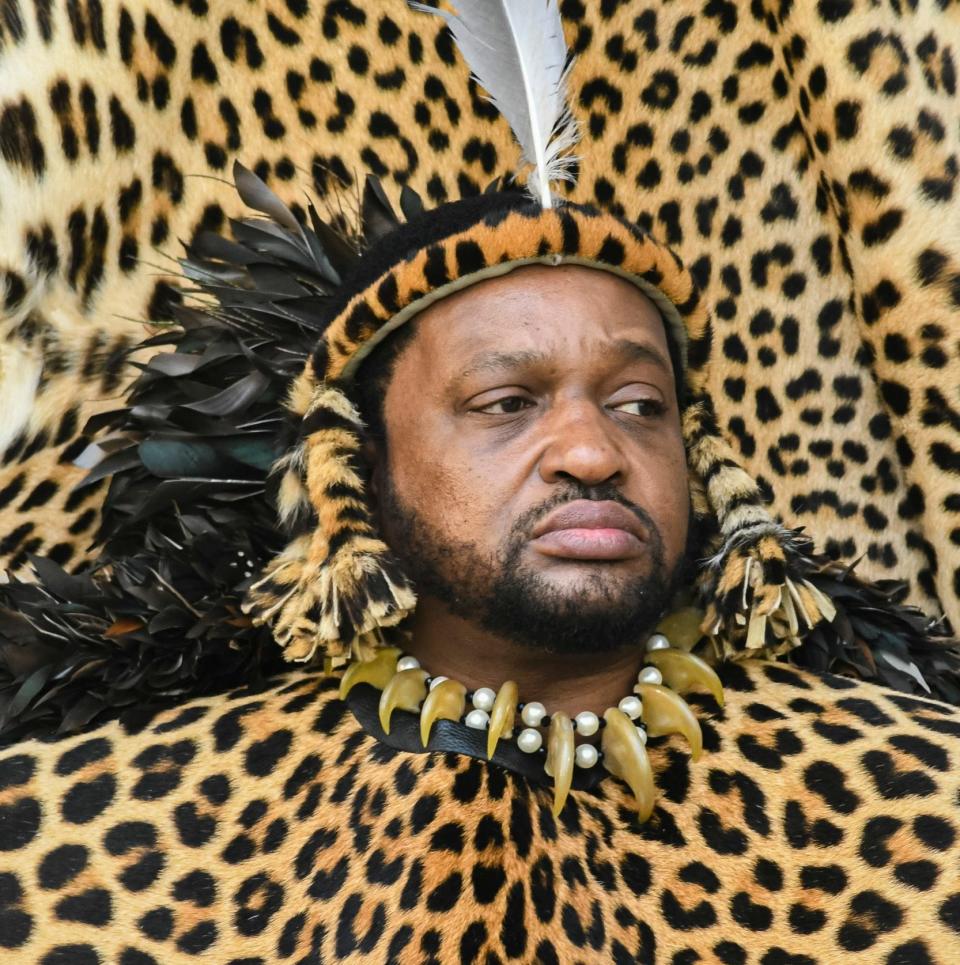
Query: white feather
(518, 54)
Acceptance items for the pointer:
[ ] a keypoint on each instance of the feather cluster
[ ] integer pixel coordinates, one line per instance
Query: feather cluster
(874, 636)
(518, 55)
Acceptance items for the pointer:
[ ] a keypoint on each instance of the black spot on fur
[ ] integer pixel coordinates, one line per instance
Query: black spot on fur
(829, 782)
(20, 143)
(470, 258)
(90, 907)
(262, 757)
(61, 865)
(86, 800)
(83, 754)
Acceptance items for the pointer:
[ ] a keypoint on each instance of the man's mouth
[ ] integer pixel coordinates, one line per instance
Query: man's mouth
(590, 530)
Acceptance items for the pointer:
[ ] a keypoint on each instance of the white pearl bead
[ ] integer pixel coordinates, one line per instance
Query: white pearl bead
(642, 734)
(588, 723)
(477, 719)
(533, 713)
(586, 755)
(631, 706)
(650, 675)
(483, 699)
(437, 681)
(407, 663)
(530, 740)
(658, 642)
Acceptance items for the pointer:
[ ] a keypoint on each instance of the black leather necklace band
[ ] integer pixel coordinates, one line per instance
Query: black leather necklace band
(449, 736)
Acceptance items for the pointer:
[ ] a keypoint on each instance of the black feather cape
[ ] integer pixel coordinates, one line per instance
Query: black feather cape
(188, 519)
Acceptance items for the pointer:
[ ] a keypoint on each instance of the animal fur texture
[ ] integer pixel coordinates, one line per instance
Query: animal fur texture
(819, 826)
(801, 158)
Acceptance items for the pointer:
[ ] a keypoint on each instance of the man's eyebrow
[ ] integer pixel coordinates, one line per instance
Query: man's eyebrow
(498, 361)
(642, 352)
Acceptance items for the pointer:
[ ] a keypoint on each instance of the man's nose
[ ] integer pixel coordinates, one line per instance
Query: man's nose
(582, 446)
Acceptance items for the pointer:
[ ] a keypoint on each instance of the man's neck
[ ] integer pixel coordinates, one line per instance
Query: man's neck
(448, 645)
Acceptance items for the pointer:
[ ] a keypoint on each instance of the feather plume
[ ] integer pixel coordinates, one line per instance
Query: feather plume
(518, 54)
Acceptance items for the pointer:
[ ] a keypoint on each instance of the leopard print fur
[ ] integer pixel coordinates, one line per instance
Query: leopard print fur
(800, 156)
(820, 826)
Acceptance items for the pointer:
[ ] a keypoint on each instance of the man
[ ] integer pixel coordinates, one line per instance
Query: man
(505, 474)
(537, 493)
(526, 464)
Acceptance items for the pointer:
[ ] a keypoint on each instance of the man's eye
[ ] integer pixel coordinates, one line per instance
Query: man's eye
(641, 407)
(506, 406)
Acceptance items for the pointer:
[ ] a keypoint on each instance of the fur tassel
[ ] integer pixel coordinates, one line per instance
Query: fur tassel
(336, 609)
(336, 585)
(758, 600)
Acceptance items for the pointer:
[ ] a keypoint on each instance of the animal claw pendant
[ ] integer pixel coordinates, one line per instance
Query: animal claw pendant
(625, 756)
(655, 709)
(560, 757)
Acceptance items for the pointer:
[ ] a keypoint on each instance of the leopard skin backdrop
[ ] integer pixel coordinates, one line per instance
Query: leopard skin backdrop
(779, 179)
(802, 159)
(799, 159)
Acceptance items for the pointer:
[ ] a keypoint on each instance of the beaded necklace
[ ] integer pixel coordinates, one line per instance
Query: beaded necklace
(655, 708)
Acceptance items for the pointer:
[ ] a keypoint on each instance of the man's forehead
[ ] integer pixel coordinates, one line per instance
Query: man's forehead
(536, 307)
(622, 351)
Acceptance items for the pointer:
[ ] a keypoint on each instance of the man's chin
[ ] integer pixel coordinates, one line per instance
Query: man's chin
(563, 608)
(593, 575)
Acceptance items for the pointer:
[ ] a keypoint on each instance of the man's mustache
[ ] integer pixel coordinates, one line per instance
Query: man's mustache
(574, 491)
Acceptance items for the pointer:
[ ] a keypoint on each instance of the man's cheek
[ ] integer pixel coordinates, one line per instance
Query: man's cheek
(439, 494)
(672, 517)
(455, 479)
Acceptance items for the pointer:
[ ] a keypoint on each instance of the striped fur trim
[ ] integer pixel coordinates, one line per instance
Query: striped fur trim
(336, 586)
(500, 242)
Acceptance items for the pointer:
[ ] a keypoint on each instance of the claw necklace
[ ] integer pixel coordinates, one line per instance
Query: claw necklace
(655, 708)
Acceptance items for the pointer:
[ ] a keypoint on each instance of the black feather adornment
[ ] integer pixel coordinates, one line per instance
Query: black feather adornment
(875, 637)
(189, 520)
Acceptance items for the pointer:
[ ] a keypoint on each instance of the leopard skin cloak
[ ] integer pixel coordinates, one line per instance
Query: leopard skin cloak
(819, 826)
(801, 156)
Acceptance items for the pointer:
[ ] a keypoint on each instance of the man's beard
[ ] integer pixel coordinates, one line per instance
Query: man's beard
(603, 613)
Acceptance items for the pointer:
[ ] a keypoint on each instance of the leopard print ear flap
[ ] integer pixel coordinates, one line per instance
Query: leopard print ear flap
(336, 585)
(758, 600)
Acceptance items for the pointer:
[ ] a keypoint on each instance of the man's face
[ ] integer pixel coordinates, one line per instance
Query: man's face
(534, 479)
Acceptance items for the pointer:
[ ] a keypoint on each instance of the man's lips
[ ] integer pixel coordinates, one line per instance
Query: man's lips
(589, 530)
